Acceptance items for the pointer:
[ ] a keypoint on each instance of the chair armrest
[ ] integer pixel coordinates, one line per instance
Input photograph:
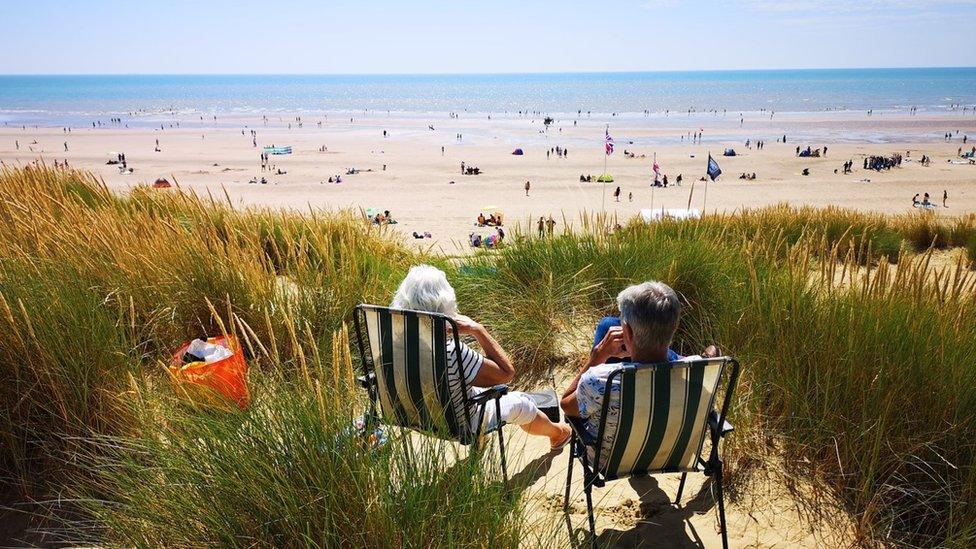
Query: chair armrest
(714, 427)
(366, 381)
(495, 392)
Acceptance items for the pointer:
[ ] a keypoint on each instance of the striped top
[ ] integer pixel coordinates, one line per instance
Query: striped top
(471, 362)
(655, 417)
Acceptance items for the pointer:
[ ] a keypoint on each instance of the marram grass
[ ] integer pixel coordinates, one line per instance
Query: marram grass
(857, 354)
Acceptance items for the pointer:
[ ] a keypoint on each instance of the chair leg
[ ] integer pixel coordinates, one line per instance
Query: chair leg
(569, 473)
(721, 504)
(681, 488)
(588, 488)
(501, 449)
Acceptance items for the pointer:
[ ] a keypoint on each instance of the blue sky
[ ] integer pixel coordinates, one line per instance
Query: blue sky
(380, 36)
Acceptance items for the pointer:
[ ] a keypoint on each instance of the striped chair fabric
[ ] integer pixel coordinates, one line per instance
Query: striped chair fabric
(408, 353)
(662, 417)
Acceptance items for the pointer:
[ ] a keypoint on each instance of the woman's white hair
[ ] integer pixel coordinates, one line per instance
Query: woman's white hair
(425, 288)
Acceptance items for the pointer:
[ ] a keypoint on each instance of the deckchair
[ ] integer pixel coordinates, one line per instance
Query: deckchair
(405, 365)
(665, 412)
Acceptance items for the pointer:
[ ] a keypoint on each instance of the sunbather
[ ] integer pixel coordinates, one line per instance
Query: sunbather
(649, 315)
(426, 288)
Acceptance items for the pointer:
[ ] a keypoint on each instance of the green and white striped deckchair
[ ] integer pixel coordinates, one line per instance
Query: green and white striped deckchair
(405, 368)
(665, 412)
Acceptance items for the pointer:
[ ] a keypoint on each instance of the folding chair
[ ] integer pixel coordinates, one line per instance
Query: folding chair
(405, 367)
(665, 411)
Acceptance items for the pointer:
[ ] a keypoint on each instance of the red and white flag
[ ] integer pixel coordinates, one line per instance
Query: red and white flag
(609, 144)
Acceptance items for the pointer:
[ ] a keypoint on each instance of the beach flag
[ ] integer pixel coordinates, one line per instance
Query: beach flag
(713, 170)
(609, 144)
(657, 169)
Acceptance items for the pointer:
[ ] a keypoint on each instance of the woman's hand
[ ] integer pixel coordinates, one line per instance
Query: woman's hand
(467, 326)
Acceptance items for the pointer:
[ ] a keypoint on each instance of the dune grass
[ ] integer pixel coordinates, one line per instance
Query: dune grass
(856, 354)
(839, 344)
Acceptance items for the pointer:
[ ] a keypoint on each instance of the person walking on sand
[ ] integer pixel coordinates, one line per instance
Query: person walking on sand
(630, 196)
(542, 226)
(550, 225)
(616, 194)
(945, 196)
(462, 167)
(527, 187)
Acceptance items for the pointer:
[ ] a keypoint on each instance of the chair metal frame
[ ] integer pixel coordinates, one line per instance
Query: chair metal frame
(717, 425)
(476, 404)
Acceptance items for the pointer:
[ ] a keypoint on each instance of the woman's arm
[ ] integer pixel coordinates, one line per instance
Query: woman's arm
(497, 367)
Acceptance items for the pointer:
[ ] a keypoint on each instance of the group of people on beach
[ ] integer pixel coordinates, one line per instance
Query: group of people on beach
(643, 332)
(925, 202)
(493, 220)
(490, 241)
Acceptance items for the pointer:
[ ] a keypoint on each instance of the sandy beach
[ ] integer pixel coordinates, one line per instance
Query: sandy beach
(407, 171)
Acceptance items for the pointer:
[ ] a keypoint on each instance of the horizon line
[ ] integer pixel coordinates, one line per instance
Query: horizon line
(516, 73)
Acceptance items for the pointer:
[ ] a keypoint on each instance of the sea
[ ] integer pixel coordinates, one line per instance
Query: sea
(147, 99)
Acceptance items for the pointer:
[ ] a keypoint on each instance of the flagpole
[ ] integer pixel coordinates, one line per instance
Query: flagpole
(605, 155)
(654, 163)
(705, 199)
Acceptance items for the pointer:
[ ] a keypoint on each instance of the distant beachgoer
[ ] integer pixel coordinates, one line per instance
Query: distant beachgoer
(945, 196)
(542, 223)
(630, 196)
(527, 187)
(462, 168)
(550, 225)
(616, 194)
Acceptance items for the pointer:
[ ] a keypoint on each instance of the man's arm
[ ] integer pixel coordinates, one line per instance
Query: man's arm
(611, 345)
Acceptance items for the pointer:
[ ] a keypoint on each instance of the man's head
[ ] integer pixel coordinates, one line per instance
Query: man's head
(649, 313)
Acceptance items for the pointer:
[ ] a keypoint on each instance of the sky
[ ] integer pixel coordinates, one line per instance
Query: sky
(487, 36)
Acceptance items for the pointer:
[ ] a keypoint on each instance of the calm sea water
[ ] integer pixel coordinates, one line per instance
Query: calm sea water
(61, 99)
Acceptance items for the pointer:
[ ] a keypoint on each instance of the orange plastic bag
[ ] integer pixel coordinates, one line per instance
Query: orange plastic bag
(227, 377)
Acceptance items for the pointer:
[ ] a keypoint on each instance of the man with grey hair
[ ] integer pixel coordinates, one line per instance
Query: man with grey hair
(649, 314)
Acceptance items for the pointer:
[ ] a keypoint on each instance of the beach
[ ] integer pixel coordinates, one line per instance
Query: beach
(410, 163)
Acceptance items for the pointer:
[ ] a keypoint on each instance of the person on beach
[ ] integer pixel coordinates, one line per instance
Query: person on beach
(550, 225)
(527, 187)
(426, 288)
(945, 196)
(542, 226)
(616, 194)
(649, 315)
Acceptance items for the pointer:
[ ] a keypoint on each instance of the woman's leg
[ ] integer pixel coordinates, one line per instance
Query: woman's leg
(519, 409)
(543, 427)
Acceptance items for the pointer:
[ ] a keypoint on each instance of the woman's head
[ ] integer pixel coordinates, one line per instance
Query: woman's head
(426, 288)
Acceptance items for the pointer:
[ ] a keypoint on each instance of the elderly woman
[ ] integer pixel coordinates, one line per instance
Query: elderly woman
(426, 288)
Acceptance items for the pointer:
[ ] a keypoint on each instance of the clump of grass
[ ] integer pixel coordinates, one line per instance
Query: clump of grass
(290, 471)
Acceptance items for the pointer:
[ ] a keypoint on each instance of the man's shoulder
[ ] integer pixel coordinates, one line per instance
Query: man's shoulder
(601, 372)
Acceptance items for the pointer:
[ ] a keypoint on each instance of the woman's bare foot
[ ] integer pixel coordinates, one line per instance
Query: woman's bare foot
(565, 433)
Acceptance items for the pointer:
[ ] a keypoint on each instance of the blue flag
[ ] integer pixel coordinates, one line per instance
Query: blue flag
(713, 170)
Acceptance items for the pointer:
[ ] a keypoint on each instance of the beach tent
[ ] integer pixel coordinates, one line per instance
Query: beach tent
(162, 183)
(729, 152)
(518, 152)
(605, 178)
(649, 215)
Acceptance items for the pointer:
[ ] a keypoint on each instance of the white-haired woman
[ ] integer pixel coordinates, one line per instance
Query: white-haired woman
(426, 288)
